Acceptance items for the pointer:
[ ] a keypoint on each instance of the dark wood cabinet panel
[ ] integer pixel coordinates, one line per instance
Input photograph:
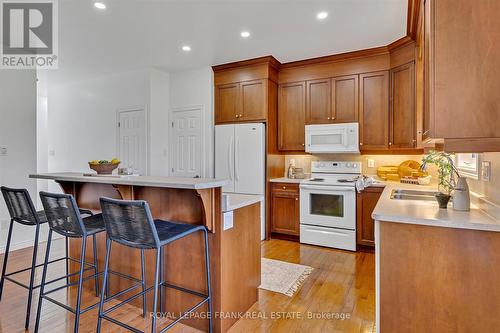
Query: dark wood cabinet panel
(318, 99)
(285, 209)
(227, 102)
(366, 202)
(374, 110)
(402, 126)
(428, 122)
(253, 100)
(291, 116)
(345, 99)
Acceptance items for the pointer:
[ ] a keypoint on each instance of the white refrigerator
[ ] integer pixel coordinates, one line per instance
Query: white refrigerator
(240, 151)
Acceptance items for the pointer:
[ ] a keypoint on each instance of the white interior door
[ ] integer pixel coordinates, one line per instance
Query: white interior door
(132, 147)
(185, 143)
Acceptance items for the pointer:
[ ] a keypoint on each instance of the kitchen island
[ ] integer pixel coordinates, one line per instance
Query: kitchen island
(436, 269)
(234, 246)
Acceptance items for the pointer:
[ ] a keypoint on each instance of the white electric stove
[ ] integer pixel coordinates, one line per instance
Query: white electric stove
(328, 205)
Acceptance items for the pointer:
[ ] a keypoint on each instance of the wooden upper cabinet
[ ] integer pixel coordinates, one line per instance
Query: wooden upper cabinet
(227, 102)
(245, 91)
(374, 110)
(318, 99)
(462, 61)
(345, 99)
(291, 116)
(253, 100)
(332, 100)
(402, 129)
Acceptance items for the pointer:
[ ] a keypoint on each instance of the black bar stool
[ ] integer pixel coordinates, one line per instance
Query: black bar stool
(64, 218)
(130, 223)
(22, 210)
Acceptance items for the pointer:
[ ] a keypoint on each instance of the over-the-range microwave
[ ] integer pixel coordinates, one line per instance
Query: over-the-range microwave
(332, 138)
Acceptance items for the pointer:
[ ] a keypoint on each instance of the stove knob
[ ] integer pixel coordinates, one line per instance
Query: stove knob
(354, 165)
(349, 165)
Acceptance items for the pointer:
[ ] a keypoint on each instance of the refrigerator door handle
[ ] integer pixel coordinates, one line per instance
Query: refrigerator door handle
(236, 158)
(229, 155)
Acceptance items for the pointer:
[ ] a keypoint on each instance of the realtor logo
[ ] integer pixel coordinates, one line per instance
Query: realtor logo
(29, 34)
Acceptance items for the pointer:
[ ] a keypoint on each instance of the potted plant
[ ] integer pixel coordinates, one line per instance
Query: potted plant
(446, 175)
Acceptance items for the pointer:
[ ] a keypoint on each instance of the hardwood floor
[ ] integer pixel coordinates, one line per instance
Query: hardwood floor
(342, 284)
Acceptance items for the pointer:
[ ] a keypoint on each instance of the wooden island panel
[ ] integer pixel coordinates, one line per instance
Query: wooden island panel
(235, 274)
(436, 279)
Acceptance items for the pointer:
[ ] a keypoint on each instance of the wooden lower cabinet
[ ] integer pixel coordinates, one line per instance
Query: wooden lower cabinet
(365, 225)
(285, 209)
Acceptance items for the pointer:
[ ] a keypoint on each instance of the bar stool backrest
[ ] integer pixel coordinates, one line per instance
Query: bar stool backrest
(63, 214)
(20, 206)
(130, 223)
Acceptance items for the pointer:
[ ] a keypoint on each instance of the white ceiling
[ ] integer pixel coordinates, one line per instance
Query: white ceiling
(137, 34)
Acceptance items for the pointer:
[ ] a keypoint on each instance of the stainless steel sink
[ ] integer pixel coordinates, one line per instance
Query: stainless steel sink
(403, 194)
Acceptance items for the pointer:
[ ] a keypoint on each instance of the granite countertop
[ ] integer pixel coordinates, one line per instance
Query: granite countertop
(234, 201)
(428, 213)
(153, 181)
(286, 180)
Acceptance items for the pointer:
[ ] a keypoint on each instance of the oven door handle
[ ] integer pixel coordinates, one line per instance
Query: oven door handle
(327, 188)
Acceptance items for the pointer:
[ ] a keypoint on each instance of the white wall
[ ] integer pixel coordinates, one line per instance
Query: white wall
(159, 110)
(82, 117)
(193, 88)
(18, 132)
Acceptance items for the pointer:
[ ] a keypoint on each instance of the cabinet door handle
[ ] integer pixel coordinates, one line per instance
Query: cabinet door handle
(361, 143)
(303, 145)
(328, 118)
(296, 199)
(390, 143)
(284, 187)
(237, 115)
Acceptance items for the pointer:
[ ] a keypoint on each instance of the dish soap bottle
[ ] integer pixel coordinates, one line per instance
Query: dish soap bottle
(290, 169)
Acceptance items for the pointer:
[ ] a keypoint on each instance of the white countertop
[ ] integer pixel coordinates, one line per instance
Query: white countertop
(428, 212)
(153, 181)
(235, 201)
(286, 180)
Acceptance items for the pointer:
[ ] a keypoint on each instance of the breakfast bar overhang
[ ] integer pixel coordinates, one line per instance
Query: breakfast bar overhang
(234, 252)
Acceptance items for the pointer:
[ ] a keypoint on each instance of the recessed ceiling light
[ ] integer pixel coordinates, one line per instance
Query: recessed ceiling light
(186, 48)
(322, 15)
(99, 5)
(245, 34)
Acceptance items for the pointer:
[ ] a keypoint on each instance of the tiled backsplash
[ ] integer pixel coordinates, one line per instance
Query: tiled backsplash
(490, 189)
(304, 161)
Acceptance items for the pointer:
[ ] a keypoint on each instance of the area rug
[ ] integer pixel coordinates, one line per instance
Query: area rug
(283, 277)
